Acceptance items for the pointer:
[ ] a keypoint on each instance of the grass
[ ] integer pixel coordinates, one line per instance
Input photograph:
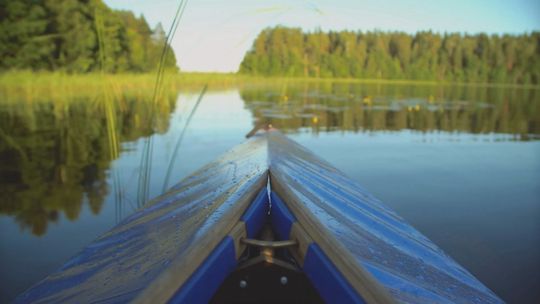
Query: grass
(19, 86)
(46, 86)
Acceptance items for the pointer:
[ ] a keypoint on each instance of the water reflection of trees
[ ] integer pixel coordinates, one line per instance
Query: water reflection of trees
(329, 106)
(56, 156)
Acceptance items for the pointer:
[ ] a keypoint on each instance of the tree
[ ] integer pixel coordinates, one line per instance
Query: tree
(77, 37)
(395, 55)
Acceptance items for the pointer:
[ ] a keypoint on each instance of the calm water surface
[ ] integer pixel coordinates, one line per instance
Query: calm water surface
(461, 164)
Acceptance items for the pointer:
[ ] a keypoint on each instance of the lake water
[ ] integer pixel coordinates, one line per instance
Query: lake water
(460, 163)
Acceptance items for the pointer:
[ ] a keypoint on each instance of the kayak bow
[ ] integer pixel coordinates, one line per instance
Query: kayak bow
(267, 221)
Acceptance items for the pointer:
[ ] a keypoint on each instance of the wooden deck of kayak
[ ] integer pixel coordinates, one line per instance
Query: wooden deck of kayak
(153, 254)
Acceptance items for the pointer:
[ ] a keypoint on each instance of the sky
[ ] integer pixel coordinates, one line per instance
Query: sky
(214, 35)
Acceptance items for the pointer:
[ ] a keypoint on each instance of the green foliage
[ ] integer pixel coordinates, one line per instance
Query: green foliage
(77, 37)
(285, 51)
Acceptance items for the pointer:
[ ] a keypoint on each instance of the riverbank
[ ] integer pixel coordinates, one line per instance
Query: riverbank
(33, 86)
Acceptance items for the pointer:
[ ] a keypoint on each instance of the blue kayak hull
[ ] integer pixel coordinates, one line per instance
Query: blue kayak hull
(183, 245)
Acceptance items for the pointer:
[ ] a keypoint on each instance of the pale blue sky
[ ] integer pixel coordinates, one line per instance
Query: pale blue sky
(214, 35)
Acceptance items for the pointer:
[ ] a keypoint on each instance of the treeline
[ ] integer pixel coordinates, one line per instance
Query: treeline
(77, 37)
(395, 55)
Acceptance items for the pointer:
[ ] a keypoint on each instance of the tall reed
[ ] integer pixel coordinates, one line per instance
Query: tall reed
(180, 138)
(143, 192)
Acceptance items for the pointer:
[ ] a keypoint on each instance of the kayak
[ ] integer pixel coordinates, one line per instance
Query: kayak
(267, 222)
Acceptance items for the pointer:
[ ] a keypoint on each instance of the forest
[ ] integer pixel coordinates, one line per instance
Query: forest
(87, 36)
(78, 37)
(426, 55)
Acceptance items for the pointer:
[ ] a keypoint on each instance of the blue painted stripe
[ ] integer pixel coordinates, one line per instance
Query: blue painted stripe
(206, 280)
(328, 281)
(255, 214)
(282, 219)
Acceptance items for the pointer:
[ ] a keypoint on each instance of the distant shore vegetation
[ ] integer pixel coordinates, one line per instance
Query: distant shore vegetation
(43, 43)
(449, 57)
(31, 86)
(78, 37)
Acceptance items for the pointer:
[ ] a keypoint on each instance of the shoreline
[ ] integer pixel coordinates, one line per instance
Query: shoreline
(33, 86)
(19, 78)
